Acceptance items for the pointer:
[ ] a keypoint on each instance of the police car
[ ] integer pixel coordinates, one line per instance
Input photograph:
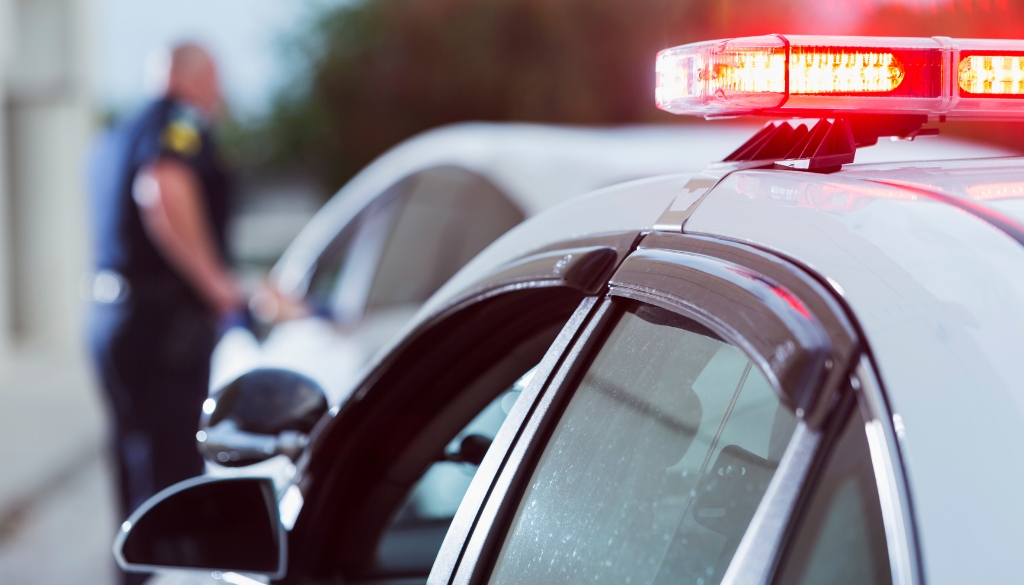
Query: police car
(406, 223)
(786, 368)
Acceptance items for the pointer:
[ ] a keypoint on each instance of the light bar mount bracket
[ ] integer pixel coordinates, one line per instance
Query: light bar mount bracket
(826, 144)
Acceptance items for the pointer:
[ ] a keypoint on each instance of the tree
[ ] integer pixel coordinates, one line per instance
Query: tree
(380, 71)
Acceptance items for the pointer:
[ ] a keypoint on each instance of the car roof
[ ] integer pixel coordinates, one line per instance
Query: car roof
(538, 166)
(997, 184)
(534, 165)
(939, 294)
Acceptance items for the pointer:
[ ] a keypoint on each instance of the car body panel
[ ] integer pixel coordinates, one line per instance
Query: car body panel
(995, 183)
(936, 291)
(535, 166)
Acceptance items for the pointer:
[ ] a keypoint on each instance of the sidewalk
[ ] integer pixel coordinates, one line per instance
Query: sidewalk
(56, 505)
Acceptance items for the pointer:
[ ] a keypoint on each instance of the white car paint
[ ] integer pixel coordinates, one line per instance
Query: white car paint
(537, 167)
(939, 294)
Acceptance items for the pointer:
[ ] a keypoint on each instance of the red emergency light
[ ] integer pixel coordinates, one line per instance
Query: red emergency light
(800, 75)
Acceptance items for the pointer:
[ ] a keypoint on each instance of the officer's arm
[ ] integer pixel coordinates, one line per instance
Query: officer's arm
(169, 197)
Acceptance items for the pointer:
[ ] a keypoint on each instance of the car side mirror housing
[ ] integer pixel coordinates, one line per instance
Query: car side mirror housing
(263, 413)
(472, 449)
(207, 524)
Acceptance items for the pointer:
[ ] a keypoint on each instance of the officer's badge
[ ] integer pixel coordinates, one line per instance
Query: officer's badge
(181, 137)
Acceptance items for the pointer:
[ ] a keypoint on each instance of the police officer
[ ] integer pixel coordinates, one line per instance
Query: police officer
(160, 203)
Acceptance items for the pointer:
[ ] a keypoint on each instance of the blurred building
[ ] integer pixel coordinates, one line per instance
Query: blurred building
(45, 125)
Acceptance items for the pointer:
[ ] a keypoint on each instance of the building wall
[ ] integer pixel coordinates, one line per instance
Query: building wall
(45, 125)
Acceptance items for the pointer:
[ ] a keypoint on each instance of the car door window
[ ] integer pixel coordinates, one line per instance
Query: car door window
(417, 530)
(347, 254)
(841, 537)
(656, 466)
(406, 244)
(447, 216)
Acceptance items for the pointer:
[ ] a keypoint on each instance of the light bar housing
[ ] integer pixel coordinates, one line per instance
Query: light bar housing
(815, 76)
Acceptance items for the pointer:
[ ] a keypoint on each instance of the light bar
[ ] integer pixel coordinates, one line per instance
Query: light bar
(799, 75)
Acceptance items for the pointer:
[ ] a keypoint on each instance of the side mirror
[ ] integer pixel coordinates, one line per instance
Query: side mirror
(472, 449)
(208, 524)
(263, 413)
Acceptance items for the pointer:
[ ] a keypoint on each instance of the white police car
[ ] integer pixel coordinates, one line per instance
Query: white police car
(752, 374)
(407, 222)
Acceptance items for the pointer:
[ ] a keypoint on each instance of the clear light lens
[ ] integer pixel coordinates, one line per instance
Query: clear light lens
(746, 74)
(823, 70)
(992, 74)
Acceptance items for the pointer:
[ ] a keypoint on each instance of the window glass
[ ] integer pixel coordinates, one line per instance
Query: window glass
(328, 267)
(841, 538)
(414, 537)
(447, 217)
(656, 466)
(344, 260)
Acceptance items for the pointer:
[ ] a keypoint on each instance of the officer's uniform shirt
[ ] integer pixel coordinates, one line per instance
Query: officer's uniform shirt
(164, 129)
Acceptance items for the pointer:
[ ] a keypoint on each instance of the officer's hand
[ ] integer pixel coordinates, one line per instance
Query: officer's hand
(233, 318)
(270, 305)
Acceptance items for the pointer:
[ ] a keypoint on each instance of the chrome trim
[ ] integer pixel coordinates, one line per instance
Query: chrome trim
(893, 495)
(696, 190)
(754, 561)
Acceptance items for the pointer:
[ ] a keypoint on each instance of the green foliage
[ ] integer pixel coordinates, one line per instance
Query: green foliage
(383, 70)
(378, 71)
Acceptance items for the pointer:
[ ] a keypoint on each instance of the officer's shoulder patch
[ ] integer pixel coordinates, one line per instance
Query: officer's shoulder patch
(181, 136)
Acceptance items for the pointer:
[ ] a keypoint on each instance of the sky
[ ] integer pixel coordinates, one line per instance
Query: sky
(244, 35)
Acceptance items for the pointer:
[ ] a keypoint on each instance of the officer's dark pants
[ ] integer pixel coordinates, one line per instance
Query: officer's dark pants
(153, 358)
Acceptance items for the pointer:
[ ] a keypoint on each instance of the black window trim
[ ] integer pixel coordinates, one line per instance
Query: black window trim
(583, 266)
(310, 552)
(814, 323)
(884, 426)
(787, 491)
(467, 518)
(760, 548)
(531, 438)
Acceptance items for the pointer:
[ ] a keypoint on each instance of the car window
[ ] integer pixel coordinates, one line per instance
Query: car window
(416, 532)
(447, 216)
(656, 466)
(841, 537)
(328, 267)
(333, 284)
